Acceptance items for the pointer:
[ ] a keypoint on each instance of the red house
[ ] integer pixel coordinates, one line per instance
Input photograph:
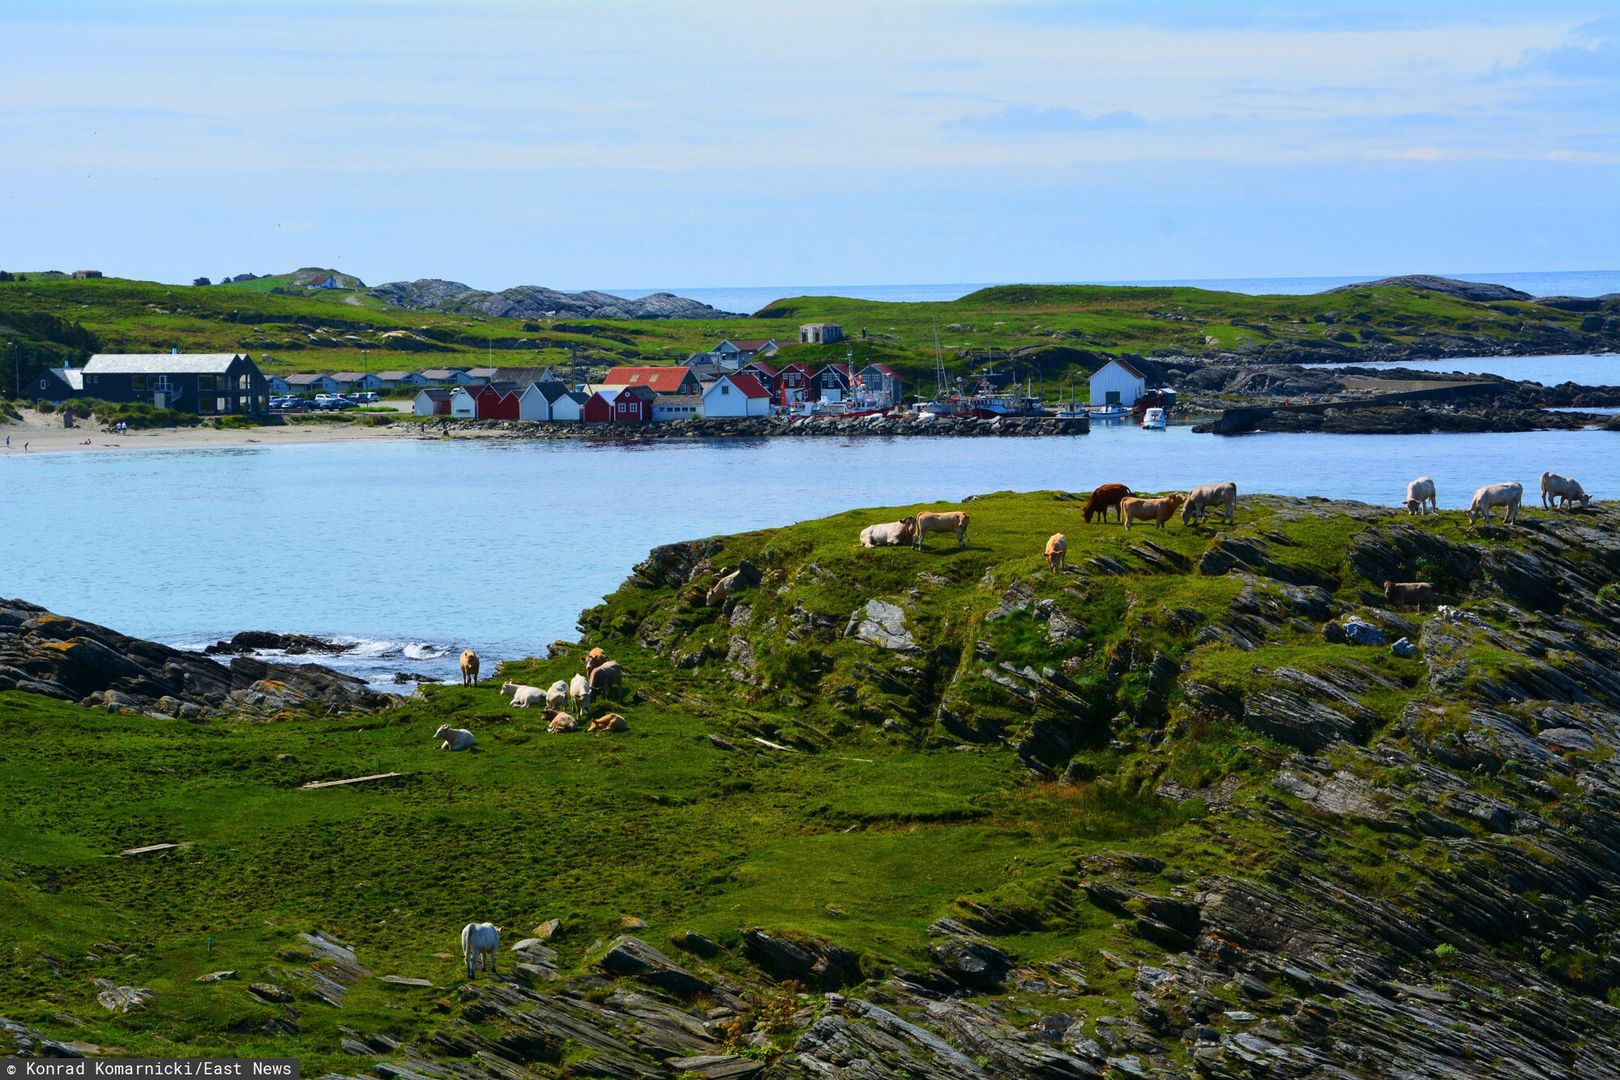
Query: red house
(793, 383)
(620, 405)
(662, 380)
(496, 401)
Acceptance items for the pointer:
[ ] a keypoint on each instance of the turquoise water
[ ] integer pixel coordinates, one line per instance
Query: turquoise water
(420, 548)
(750, 298)
(1602, 369)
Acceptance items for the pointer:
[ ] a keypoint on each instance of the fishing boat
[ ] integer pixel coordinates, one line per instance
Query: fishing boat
(1109, 412)
(1153, 419)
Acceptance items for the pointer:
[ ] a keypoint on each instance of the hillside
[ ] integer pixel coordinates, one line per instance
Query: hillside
(1050, 333)
(1152, 815)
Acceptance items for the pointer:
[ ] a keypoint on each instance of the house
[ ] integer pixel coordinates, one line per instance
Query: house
(832, 383)
(348, 380)
(312, 384)
(446, 376)
(570, 407)
(327, 282)
(209, 384)
(489, 401)
(793, 384)
(881, 383)
(82, 274)
(708, 366)
(741, 350)
(763, 373)
(371, 380)
(432, 401)
(736, 395)
(620, 405)
(56, 385)
(677, 407)
(279, 384)
(536, 400)
(820, 333)
(393, 380)
(1117, 383)
(481, 375)
(661, 380)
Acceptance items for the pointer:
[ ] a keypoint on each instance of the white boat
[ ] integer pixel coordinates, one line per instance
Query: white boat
(1109, 412)
(1153, 419)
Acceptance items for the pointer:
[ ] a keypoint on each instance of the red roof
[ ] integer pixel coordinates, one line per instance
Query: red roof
(881, 369)
(748, 385)
(662, 380)
(761, 366)
(796, 366)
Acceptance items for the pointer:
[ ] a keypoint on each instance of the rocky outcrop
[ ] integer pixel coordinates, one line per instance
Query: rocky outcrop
(1481, 291)
(64, 658)
(538, 302)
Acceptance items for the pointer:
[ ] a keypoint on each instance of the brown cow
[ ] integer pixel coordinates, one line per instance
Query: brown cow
(594, 659)
(954, 521)
(1157, 511)
(1403, 593)
(1104, 497)
(469, 667)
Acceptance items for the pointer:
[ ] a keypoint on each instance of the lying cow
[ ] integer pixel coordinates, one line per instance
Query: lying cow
(450, 738)
(1508, 496)
(560, 723)
(889, 533)
(956, 521)
(1560, 491)
(1206, 497)
(523, 696)
(1404, 594)
(1157, 511)
(609, 722)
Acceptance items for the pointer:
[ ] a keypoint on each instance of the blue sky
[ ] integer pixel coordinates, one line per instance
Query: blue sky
(643, 143)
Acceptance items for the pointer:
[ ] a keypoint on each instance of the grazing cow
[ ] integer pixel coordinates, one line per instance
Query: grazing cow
(523, 696)
(560, 723)
(1407, 593)
(1157, 511)
(1508, 496)
(480, 941)
(1104, 497)
(956, 521)
(1561, 491)
(1420, 497)
(557, 695)
(450, 738)
(745, 576)
(469, 667)
(579, 692)
(1205, 497)
(594, 658)
(1057, 552)
(605, 677)
(609, 722)
(889, 533)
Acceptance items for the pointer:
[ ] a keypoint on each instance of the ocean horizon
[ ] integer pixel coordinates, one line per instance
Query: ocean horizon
(747, 299)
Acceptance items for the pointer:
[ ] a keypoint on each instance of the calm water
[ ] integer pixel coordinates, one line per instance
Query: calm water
(754, 297)
(1602, 369)
(418, 549)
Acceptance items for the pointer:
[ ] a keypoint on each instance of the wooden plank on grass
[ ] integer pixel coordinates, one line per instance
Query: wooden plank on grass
(351, 780)
(151, 849)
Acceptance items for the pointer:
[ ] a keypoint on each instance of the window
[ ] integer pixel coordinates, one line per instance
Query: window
(139, 383)
(725, 388)
(220, 405)
(205, 382)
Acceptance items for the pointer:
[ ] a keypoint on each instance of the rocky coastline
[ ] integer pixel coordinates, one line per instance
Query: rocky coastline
(762, 427)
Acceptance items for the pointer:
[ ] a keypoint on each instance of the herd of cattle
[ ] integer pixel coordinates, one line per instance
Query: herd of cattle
(601, 676)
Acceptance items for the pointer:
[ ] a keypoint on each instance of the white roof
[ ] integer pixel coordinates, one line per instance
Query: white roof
(160, 363)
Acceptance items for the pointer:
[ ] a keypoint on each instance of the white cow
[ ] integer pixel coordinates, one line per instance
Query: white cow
(480, 941)
(1206, 497)
(579, 693)
(557, 695)
(1508, 496)
(524, 696)
(889, 533)
(1420, 496)
(450, 738)
(1562, 491)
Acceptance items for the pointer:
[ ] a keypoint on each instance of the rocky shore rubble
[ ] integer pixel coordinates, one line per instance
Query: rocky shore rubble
(81, 662)
(766, 427)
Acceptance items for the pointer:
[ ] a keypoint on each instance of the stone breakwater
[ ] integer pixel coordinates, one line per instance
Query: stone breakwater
(765, 427)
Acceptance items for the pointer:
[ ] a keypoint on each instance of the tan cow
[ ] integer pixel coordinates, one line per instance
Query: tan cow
(609, 722)
(1206, 497)
(1157, 511)
(469, 667)
(956, 521)
(1057, 552)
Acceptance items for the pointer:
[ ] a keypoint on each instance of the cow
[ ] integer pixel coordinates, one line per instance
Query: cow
(956, 521)
(523, 696)
(1057, 552)
(579, 692)
(480, 941)
(1508, 496)
(1559, 491)
(1204, 497)
(605, 677)
(469, 667)
(557, 695)
(560, 723)
(1104, 497)
(1406, 593)
(1157, 511)
(609, 722)
(1420, 497)
(593, 659)
(889, 533)
(450, 738)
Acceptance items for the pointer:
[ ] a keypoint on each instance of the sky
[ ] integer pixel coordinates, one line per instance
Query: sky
(646, 143)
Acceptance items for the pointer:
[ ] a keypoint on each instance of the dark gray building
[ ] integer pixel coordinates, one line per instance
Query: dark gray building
(209, 384)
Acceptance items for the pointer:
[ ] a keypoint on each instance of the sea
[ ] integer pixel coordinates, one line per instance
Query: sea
(412, 550)
(748, 299)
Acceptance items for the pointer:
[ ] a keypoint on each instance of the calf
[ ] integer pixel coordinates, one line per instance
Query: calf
(1057, 552)
(1407, 593)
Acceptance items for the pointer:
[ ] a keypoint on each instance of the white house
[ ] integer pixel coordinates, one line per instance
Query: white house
(535, 402)
(1117, 383)
(677, 407)
(570, 407)
(433, 401)
(736, 395)
(463, 404)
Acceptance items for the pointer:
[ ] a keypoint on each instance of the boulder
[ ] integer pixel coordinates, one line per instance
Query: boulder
(634, 958)
(882, 624)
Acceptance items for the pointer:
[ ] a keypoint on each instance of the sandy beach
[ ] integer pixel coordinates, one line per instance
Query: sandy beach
(43, 433)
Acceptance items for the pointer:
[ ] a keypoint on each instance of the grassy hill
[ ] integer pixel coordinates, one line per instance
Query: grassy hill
(1047, 332)
(1157, 803)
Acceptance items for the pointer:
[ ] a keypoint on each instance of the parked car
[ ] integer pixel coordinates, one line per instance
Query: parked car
(364, 397)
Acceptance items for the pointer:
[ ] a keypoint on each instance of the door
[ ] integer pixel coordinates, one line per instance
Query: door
(1111, 397)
